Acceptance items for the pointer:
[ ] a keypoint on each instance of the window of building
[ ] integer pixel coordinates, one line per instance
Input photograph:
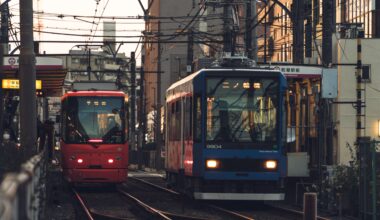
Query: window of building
(282, 29)
(286, 19)
(366, 73)
(75, 60)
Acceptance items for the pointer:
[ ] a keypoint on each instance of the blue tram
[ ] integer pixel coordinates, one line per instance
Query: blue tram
(225, 134)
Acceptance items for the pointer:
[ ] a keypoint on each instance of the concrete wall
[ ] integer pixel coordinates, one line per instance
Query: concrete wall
(345, 113)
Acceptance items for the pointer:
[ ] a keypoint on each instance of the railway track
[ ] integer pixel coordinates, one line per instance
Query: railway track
(95, 206)
(175, 204)
(147, 198)
(243, 210)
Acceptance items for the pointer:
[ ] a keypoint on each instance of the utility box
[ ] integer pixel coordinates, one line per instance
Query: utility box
(298, 164)
(329, 83)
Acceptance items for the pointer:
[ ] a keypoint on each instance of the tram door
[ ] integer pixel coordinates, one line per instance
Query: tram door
(302, 116)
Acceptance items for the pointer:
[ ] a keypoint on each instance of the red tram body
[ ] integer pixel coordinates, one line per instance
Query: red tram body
(93, 141)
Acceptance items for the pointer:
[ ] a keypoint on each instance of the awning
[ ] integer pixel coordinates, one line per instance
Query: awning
(48, 69)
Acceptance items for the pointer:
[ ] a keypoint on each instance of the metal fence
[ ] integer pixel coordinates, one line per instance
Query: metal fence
(22, 194)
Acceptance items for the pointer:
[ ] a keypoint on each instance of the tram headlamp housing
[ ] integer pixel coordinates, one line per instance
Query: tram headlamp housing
(212, 164)
(270, 164)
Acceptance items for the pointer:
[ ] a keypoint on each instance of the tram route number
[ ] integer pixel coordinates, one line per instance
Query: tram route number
(214, 146)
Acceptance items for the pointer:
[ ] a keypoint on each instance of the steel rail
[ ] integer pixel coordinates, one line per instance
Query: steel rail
(148, 208)
(297, 212)
(92, 213)
(232, 212)
(155, 186)
(83, 205)
(229, 212)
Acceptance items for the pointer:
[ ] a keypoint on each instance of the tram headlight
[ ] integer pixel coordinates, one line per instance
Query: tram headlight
(212, 164)
(270, 164)
(57, 146)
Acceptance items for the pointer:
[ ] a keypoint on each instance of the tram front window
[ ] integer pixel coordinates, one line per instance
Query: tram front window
(95, 118)
(241, 110)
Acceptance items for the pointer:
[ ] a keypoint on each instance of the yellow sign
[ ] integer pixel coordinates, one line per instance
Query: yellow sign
(15, 84)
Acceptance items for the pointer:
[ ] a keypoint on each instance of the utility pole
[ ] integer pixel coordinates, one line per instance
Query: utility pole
(157, 131)
(362, 142)
(327, 33)
(298, 15)
(190, 52)
(250, 36)
(4, 26)
(315, 6)
(265, 33)
(4, 39)
(141, 116)
(227, 38)
(133, 101)
(309, 33)
(327, 19)
(343, 17)
(28, 111)
(89, 65)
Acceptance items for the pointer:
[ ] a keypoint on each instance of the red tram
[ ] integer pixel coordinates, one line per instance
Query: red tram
(94, 136)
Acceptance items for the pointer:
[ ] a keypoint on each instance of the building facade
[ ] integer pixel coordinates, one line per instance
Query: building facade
(177, 35)
(345, 114)
(352, 14)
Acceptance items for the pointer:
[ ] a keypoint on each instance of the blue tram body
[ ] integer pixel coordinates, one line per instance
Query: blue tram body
(225, 134)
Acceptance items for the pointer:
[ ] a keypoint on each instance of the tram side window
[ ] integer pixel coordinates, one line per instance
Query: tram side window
(126, 118)
(187, 119)
(197, 119)
(171, 121)
(177, 121)
(63, 119)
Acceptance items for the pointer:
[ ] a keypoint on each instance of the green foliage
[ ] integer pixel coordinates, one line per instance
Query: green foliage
(342, 182)
(346, 177)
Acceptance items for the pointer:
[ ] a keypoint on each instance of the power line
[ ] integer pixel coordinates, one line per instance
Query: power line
(120, 36)
(137, 17)
(126, 42)
(186, 26)
(96, 11)
(97, 24)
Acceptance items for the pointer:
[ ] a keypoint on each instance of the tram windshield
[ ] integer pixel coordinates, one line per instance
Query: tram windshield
(242, 110)
(96, 119)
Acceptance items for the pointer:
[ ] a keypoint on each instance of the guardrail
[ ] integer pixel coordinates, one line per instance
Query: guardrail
(23, 194)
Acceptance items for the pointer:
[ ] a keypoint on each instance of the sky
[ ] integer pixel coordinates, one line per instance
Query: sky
(76, 17)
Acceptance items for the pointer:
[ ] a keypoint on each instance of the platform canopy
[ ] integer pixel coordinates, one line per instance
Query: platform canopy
(49, 70)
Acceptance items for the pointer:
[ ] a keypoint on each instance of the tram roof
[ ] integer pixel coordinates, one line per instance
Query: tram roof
(191, 76)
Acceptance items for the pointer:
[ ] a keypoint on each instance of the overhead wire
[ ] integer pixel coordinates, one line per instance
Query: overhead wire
(97, 24)
(139, 17)
(50, 16)
(195, 18)
(14, 33)
(121, 36)
(93, 21)
(176, 34)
